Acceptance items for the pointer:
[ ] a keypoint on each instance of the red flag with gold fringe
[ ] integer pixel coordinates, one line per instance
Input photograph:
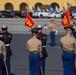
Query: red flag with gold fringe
(66, 20)
(29, 22)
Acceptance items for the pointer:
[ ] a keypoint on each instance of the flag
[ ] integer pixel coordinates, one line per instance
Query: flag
(56, 9)
(38, 8)
(33, 8)
(47, 10)
(29, 22)
(26, 8)
(66, 20)
(52, 10)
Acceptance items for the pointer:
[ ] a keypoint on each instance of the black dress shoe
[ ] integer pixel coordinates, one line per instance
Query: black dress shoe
(53, 44)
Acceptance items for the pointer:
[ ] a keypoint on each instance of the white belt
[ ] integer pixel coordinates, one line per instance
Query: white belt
(43, 46)
(7, 45)
(54, 30)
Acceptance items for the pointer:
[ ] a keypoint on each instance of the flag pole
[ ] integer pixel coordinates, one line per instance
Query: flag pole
(6, 68)
(41, 70)
(68, 5)
(45, 29)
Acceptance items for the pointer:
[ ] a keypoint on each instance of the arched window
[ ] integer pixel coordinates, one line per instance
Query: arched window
(23, 6)
(53, 5)
(8, 6)
(38, 4)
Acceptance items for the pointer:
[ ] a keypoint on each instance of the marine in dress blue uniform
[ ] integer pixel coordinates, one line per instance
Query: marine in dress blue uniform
(68, 44)
(43, 38)
(34, 46)
(74, 26)
(6, 37)
(74, 34)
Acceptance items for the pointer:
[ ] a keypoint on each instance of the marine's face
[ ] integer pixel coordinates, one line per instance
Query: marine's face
(39, 30)
(4, 31)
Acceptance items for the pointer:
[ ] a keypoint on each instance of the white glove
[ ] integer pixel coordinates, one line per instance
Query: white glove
(1, 35)
(56, 32)
(45, 27)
